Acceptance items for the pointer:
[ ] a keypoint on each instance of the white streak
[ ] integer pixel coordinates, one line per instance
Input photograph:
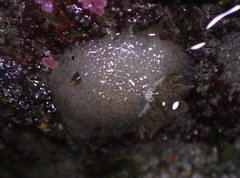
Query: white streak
(197, 46)
(219, 17)
(151, 34)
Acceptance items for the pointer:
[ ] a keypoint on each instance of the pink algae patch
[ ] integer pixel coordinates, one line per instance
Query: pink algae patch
(96, 6)
(49, 61)
(47, 5)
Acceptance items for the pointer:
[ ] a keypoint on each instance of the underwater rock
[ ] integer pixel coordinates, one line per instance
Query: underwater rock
(102, 86)
(229, 55)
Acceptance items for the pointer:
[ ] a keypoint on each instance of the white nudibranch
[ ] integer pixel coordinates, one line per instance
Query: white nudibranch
(110, 88)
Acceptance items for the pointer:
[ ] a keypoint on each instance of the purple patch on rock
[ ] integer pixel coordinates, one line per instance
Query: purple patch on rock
(49, 61)
(47, 5)
(96, 6)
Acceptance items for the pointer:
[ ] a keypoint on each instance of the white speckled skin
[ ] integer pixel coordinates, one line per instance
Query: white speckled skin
(115, 74)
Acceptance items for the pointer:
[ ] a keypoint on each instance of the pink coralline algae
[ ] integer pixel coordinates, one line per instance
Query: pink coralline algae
(96, 6)
(47, 5)
(49, 61)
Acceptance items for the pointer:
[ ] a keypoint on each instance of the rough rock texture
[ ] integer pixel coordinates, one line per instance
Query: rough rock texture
(230, 56)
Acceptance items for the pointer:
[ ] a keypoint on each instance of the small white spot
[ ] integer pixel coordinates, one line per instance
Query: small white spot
(145, 86)
(111, 63)
(103, 81)
(163, 103)
(130, 46)
(110, 70)
(93, 52)
(175, 105)
(197, 46)
(133, 84)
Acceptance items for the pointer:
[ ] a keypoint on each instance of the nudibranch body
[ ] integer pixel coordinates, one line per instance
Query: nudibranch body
(113, 77)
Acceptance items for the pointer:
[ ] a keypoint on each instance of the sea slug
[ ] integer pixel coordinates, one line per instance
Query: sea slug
(101, 86)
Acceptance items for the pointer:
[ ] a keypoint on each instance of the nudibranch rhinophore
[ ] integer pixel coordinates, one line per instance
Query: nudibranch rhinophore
(102, 86)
